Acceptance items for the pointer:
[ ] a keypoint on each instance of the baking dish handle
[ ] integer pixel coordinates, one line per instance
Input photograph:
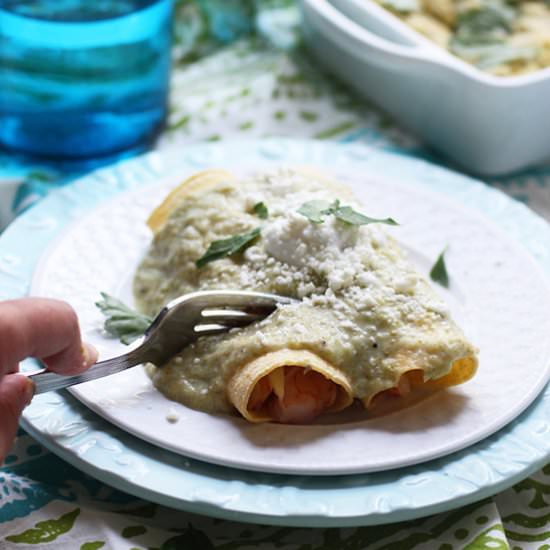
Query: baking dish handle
(361, 42)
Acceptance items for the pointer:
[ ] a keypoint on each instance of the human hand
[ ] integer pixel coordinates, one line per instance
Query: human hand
(35, 327)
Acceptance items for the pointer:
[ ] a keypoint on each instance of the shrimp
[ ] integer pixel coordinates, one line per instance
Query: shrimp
(262, 390)
(408, 381)
(303, 395)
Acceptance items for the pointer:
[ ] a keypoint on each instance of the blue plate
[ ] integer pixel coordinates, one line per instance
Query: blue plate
(72, 431)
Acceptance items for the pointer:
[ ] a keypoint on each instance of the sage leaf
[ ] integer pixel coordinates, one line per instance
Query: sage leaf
(439, 273)
(260, 209)
(121, 321)
(227, 247)
(348, 215)
(489, 23)
(315, 211)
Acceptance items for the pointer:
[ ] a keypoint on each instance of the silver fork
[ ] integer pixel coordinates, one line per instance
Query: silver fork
(178, 324)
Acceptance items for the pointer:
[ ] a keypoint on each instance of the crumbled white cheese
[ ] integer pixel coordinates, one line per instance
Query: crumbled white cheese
(172, 416)
(306, 289)
(406, 284)
(190, 232)
(254, 254)
(368, 278)
(295, 240)
(333, 265)
(441, 308)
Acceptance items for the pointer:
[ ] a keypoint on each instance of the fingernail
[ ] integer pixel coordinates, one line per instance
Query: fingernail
(29, 391)
(89, 354)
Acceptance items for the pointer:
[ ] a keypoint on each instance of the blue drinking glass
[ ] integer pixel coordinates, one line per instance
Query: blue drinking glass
(83, 78)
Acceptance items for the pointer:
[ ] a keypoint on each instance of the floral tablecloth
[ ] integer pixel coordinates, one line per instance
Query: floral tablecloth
(239, 71)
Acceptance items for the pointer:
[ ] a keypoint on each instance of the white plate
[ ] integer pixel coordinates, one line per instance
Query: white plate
(498, 294)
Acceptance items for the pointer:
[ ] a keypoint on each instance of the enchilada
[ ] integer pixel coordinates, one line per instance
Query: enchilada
(367, 327)
(503, 37)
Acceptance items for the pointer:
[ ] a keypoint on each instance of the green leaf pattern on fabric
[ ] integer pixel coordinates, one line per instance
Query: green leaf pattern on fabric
(133, 531)
(147, 510)
(46, 531)
(191, 538)
(490, 539)
(96, 545)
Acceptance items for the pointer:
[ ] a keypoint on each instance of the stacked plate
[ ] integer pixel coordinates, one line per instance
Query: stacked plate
(456, 447)
(489, 125)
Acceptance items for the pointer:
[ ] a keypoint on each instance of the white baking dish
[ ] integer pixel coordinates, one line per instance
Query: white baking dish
(490, 125)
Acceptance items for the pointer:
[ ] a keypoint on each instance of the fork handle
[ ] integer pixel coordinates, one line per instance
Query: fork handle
(45, 380)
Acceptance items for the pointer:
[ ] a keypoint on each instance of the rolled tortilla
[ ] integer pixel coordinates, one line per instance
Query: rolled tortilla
(270, 368)
(197, 183)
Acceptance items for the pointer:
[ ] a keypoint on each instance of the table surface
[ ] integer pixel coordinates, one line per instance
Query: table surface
(249, 88)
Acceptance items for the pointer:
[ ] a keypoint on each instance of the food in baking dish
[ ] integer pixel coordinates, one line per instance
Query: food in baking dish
(504, 37)
(367, 326)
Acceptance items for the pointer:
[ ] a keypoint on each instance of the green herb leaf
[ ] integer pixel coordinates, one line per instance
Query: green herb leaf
(401, 6)
(227, 247)
(438, 272)
(489, 23)
(121, 321)
(487, 56)
(260, 209)
(348, 215)
(315, 211)
(482, 32)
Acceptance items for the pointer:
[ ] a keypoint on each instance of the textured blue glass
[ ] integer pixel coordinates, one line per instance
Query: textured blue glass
(83, 78)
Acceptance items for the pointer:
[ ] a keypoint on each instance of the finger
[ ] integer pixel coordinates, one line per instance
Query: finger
(16, 392)
(45, 329)
(72, 360)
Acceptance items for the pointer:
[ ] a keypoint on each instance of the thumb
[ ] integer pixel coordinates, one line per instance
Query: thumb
(16, 392)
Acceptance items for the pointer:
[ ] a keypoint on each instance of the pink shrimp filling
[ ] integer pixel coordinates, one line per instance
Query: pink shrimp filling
(408, 382)
(307, 394)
